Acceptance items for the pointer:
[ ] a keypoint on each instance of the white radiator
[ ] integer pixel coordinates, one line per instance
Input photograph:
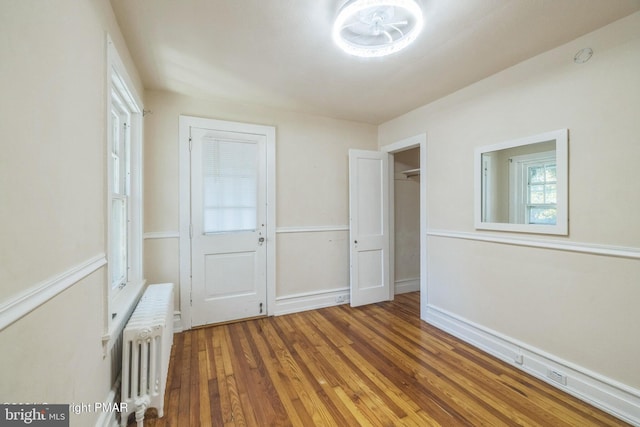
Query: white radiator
(146, 349)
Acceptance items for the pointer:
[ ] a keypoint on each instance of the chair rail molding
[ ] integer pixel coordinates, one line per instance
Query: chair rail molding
(567, 246)
(161, 235)
(25, 302)
(312, 229)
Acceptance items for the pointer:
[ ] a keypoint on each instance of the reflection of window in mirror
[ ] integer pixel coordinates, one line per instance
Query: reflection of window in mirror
(511, 184)
(522, 185)
(534, 184)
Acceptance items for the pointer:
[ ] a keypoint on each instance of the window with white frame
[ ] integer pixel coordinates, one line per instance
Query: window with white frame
(120, 169)
(534, 184)
(124, 205)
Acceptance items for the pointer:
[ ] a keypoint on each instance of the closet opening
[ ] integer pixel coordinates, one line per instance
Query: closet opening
(406, 221)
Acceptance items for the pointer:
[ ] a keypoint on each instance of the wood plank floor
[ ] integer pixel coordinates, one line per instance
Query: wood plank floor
(377, 365)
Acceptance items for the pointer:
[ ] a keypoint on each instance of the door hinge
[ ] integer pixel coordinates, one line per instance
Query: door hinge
(260, 308)
(190, 144)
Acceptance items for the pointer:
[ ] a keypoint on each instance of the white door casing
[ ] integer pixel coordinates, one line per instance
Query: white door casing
(370, 274)
(227, 262)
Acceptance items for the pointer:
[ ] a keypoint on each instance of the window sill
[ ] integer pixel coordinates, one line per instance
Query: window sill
(122, 305)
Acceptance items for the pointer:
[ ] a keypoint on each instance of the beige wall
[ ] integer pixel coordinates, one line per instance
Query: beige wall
(579, 307)
(311, 188)
(52, 179)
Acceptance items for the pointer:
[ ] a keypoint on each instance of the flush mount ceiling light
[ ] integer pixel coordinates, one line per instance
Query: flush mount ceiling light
(373, 28)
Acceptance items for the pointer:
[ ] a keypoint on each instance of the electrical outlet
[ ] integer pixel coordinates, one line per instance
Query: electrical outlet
(519, 359)
(558, 377)
(341, 299)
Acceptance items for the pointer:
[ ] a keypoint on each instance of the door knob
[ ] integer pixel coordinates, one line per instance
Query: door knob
(261, 240)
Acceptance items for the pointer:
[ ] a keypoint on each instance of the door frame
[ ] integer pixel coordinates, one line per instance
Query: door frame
(185, 205)
(398, 146)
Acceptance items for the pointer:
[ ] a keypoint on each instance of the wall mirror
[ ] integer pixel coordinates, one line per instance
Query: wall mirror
(522, 185)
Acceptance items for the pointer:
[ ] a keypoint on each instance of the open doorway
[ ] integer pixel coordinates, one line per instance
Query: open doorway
(408, 222)
(406, 183)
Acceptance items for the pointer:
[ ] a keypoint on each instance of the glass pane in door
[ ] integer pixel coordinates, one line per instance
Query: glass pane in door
(230, 185)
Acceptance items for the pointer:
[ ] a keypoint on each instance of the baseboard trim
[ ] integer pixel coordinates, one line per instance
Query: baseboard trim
(310, 300)
(403, 286)
(25, 302)
(177, 322)
(108, 418)
(605, 393)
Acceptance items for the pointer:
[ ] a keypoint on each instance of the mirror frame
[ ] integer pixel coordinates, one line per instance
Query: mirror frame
(561, 136)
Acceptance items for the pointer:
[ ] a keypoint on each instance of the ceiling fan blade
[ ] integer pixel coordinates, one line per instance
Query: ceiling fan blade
(405, 22)
(398, 30)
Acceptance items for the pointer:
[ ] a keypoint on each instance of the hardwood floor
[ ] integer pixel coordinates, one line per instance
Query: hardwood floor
(377, 365)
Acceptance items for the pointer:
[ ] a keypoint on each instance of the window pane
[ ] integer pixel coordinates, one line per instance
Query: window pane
(118, 257)
(115, 173)
(115, 151)
(229, 186)
(119, 152)
(536, 194)
(550, 193)
(115, 126)
(536, 175)
(550, 173)
(542, 215)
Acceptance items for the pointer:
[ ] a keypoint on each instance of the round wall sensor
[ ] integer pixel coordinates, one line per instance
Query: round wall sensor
(583, 55)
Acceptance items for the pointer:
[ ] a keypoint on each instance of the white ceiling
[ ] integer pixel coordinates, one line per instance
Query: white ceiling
(279, 53)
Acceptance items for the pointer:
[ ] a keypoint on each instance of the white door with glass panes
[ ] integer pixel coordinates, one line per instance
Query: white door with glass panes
(228, 221)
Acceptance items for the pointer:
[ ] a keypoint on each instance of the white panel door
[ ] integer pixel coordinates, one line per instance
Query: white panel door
(369, 226)
(228, 220)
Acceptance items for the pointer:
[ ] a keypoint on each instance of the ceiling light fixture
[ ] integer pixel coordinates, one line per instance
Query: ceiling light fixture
(374, 28)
